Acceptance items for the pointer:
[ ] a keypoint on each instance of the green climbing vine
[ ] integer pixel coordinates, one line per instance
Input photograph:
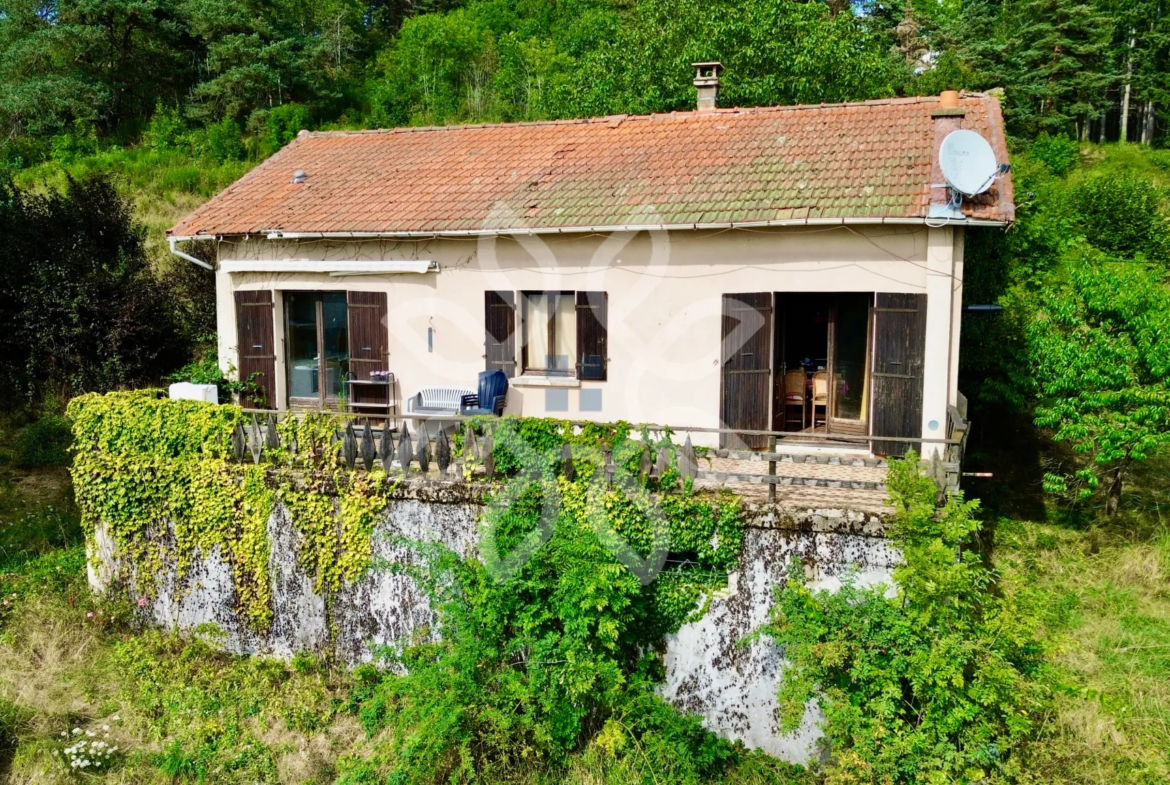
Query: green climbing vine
(147, 468)
(142, 460)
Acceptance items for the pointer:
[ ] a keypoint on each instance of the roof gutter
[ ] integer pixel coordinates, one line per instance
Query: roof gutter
(277, 234)
(183, 255)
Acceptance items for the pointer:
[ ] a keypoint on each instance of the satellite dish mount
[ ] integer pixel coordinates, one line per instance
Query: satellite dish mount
(968, 163)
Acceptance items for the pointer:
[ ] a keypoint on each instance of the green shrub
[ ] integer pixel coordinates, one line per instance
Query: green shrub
(45, 442)
(79, 143)
(283, 123)
(225, 141)
(1121, 215)
(166, 129)
(1059, 153)
(938, 683)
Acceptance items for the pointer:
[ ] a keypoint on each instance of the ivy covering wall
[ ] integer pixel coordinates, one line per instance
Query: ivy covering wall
(148, 468)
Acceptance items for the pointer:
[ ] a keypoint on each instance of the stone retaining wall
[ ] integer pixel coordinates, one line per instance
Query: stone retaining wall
(710, 672)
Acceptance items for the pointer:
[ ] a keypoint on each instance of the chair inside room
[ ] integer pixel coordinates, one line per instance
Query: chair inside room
(794, 398)
(820, 398)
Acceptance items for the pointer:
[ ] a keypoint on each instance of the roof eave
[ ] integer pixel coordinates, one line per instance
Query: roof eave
(280, 234)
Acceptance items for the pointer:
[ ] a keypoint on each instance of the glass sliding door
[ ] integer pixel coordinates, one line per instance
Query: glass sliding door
(317, 341)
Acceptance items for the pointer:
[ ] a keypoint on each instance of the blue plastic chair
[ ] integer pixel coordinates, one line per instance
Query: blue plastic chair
(492, 395)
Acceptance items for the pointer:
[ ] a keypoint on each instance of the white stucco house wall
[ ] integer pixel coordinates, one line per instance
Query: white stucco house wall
(670, 269)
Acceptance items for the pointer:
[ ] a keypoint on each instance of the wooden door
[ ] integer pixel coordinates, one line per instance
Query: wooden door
(746, 389)
(779, 365)
(368, 334)
(256, 347)
(499, 310)
(899, 353)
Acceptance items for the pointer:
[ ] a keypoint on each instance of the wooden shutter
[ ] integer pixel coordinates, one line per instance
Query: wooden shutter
(592, 335)
(368, 334)
(747, 368)
(499, 327)
(899, 353)
(256, 347)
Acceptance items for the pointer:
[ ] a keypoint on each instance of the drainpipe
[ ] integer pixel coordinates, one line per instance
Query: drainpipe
(183, 255)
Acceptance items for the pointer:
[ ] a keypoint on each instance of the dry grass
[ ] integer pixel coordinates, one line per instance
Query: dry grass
(1108, 623)
(64, 669)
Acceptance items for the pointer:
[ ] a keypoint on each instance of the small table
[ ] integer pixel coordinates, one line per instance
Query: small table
(375, 398)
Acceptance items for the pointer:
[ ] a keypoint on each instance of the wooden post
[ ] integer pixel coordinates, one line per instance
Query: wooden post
(368, 446)
(772, 470)
(387, 446)
(470, 446)
(239, 443)
(271, 436)
(688, 464)
(443, 452)
(255, 444)
(424, 450)
(663, 463)
(405, 450)
(349, 445)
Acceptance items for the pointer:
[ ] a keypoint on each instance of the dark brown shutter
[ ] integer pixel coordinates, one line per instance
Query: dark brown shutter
(899, 352)
(499, 322)
(747, 368)
(368, 334)
(592, 336)
(255, 343)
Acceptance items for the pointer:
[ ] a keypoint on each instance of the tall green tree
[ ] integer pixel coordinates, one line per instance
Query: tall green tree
(1101, 366)
(106, 61)
(1057, 61)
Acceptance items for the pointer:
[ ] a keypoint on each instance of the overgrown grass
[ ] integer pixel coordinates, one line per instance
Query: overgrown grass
(165, 185)
(1105, 598)
(181, 711)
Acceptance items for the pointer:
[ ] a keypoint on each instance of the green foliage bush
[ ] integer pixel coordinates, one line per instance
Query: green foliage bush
(80, 306)
(45, 442)
(167, 129)
(225, 141)
(942, 681)
(1123, 217)
(556, 655)
(1059, 153)
(283, 123)
(1100, 364)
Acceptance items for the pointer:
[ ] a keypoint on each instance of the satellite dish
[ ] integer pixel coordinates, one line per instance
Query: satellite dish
(968, 162)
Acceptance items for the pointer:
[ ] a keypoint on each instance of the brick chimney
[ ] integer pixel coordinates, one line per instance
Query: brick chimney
(948, 117)
(707, 84)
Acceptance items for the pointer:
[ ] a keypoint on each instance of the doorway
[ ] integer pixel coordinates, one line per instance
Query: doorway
(822, 361)
(317, 341)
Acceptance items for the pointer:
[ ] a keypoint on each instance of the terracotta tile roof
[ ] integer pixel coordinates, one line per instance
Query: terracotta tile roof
(867, 160)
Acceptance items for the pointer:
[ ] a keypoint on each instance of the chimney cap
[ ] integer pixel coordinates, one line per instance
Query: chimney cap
(707, 73)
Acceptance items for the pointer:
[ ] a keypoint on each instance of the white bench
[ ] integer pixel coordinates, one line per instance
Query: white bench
(437, 401)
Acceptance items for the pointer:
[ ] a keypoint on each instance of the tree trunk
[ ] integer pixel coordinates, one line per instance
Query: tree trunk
(1126, 92)
(1114, 502)
(1101, 129)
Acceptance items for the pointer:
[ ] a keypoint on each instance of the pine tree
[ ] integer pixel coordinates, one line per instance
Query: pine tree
(1058, 65)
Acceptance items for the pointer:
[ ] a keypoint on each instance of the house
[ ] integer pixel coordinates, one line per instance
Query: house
(671, 268)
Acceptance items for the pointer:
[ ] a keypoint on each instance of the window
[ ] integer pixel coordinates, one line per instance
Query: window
(564, 334)
(317, 328)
